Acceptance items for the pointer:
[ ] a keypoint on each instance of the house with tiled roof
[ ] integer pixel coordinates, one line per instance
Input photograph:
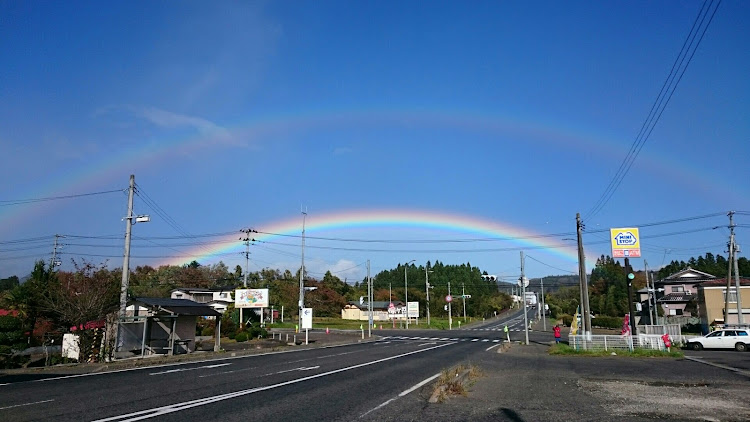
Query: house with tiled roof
(677, 294)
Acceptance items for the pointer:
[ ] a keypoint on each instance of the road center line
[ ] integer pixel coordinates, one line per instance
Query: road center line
(158, 411)
(26, 404)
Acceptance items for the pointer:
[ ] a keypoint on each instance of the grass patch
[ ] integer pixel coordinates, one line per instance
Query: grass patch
(453, 382)
(564, 349)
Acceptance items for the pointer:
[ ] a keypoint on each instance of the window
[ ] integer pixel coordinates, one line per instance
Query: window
(224, 296)
(741, 333)
(732, 295)
(178, 296)
(678, 289)
(715, 334)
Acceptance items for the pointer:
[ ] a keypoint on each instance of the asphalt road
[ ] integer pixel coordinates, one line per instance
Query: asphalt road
(388, 379)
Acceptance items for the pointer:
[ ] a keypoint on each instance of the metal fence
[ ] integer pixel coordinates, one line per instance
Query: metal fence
(608, 342)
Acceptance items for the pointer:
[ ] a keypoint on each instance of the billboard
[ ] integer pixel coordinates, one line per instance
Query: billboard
(626, 242)
(251, 298)
(412, 310)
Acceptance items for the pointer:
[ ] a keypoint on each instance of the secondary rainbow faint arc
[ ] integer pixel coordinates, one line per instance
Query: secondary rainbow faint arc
(390, 218)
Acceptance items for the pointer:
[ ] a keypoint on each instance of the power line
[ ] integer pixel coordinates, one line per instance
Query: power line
(662, 100)
(544, 263)
(10, 202)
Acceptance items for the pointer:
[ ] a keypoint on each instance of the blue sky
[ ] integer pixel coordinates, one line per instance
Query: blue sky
(237, 114)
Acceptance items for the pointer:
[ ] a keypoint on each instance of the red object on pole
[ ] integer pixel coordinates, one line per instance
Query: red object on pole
(667, 341)
(326, 330)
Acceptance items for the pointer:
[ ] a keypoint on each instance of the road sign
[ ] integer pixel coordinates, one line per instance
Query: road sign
(449, 298)
(625, 242)
(412, 310)
(307, 318)
(466, 296)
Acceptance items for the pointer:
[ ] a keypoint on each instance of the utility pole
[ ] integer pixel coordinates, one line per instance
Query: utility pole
(544, 313)
(54, 262)
(126, 257)
(629, 276)
(523, 299)
(427, 291)
(369, 300)
(733, 266)
(302, 273)
(656, 309)
(450, 309)
(463, 298)
(586, 314)
(648, 293)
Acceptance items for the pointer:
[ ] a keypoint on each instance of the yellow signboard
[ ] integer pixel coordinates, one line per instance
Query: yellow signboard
(626, 242)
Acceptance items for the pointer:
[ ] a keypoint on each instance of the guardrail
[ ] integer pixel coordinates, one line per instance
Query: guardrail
(609, 342)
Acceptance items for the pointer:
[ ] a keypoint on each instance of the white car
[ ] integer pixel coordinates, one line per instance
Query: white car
(737, 339)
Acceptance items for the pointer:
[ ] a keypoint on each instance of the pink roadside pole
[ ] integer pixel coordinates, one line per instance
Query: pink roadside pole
(667, 342)
(626, 330)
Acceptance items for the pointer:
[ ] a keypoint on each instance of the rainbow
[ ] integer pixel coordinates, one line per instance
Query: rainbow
(115, 168)
(391, 218)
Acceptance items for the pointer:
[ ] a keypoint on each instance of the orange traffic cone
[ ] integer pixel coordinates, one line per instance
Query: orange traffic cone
(326, 330)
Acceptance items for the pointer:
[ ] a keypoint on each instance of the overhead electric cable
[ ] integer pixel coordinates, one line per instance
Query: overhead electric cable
(9, 202)
(662, 100)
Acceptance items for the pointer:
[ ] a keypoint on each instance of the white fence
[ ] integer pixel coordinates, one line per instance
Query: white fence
(604, 342)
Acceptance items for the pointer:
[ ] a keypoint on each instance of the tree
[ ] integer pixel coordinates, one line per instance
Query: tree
(9, 283)
(87, 295)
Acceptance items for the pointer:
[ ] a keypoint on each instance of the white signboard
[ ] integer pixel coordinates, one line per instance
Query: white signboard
(306, 319)
(251, 298)
(413, 310)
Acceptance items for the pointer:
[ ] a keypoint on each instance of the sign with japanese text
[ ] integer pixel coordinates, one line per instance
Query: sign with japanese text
(251, 298)
(626, 242)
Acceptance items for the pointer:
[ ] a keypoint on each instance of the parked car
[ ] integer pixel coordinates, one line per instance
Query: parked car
(737, 339)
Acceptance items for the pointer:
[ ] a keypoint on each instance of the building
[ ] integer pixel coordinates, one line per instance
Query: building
(677, 294)
(712, 295)
(359, 311)
(218, 299)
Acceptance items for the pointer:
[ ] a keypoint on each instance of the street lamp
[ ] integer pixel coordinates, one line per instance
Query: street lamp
(406, 291)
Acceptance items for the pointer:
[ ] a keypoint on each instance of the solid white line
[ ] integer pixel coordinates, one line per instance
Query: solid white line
(26, 404)
(171, 371)
(144, 368)
(405, 392)
(402, 394)
(377, 407)
(492, 347)
(158, 411)
(728, 368)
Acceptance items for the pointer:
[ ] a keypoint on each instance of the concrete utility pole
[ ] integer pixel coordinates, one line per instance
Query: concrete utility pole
(427, 291)
(523, 299)
(450, 309)
(126, 257)
(302, 273)
(369, 300)
(463, 297)
(733, 266)
(544, 313)
(585, 311)
(656, 309)
(648, 294)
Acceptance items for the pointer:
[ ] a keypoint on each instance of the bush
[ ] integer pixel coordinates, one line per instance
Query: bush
(255, 332)
(604, 321)
(567, 320)
(208, 331)
(241, 337)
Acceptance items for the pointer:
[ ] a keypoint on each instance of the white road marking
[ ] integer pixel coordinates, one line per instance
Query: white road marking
(163, 410)
(426, 344)
(26, 404)
(491, 347)
(171, 371)
(401, 394)
(728, 368)
(91, 374)
(476, 339)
